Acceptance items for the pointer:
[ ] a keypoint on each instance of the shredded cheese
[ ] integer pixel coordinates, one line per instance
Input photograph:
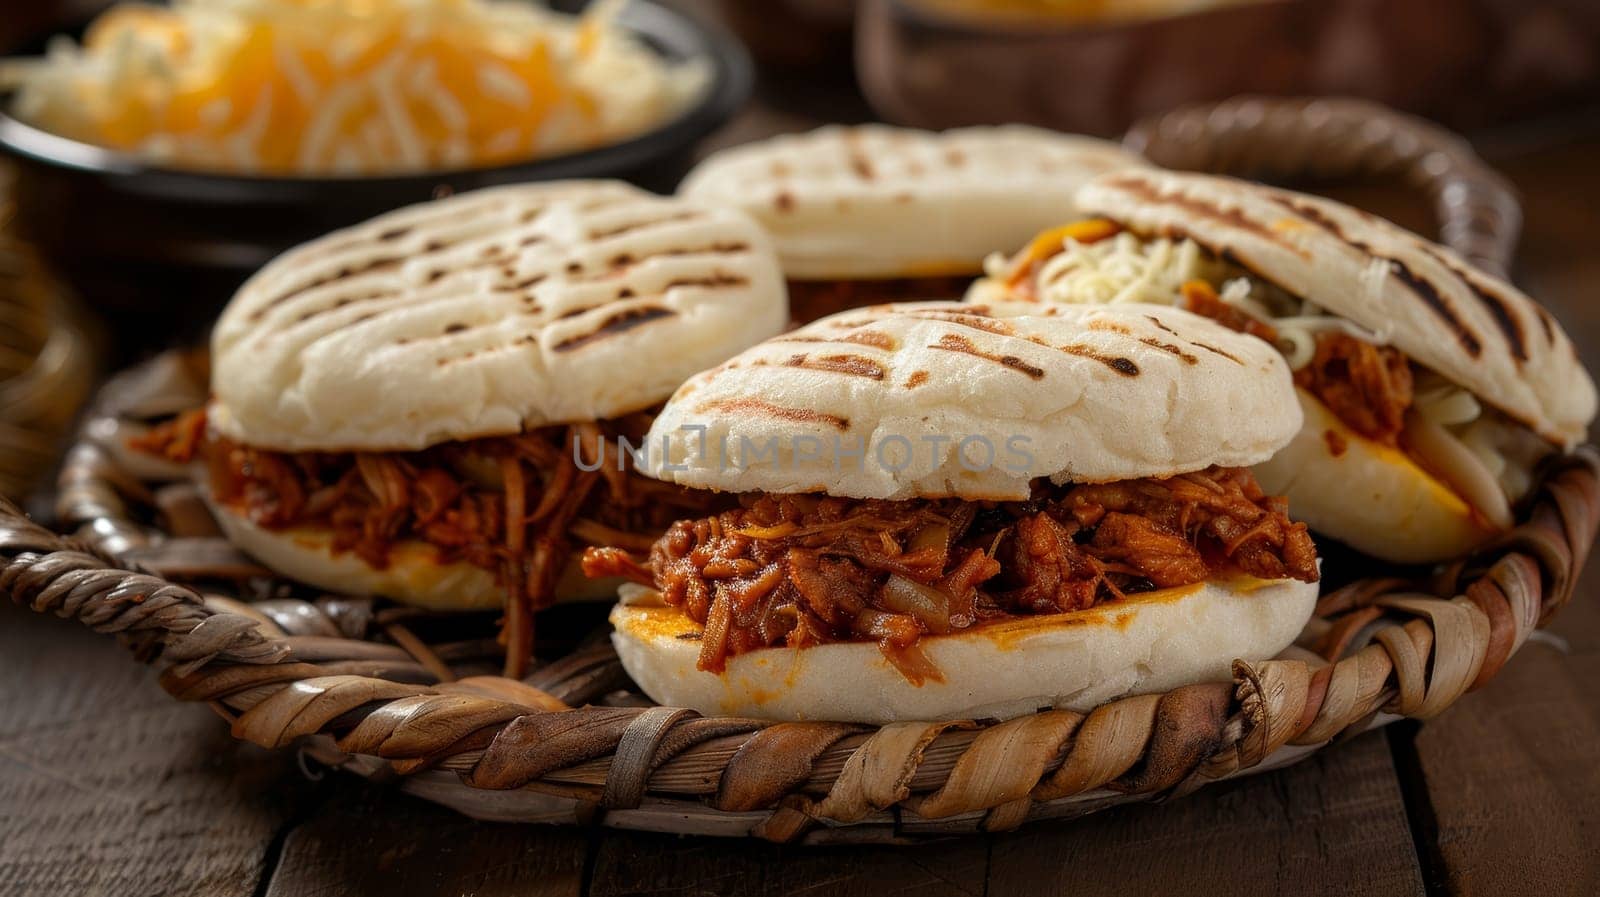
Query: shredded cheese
(368, 86)
(1122, 269)
(1127, 268)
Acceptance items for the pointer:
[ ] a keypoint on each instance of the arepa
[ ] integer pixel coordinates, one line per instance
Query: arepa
(1065, 521)
(1432, 389)
(872, 213)
(430, 406)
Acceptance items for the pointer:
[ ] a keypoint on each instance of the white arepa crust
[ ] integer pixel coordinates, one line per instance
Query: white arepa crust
(414, 575)
(873, 201)
(1076, 393)
(1369, 496)
(1146, 644)
(1422, 298)
(489, 313)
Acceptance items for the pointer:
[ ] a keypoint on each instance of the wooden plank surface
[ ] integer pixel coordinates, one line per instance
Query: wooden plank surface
(372, 840)
(631, 863)
(1333, 825)
(1509, 773)
(110, 787)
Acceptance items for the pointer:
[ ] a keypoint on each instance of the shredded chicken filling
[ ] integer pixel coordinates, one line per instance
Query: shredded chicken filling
(802, 570)
(513, 505)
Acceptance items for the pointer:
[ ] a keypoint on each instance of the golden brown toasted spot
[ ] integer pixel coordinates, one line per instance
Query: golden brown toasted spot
(784, 201)
(1111, 326)
(952, 342)
(916, 379)
(853, 365)
(873, 338)
(974, 321)
(757, 407)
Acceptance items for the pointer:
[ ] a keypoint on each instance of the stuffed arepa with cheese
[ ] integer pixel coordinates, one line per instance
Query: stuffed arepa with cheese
(1431, 390)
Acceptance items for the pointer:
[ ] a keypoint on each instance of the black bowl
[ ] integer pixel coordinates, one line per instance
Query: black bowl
(159, 250)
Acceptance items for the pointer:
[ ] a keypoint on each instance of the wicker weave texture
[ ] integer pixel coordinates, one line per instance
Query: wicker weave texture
(358, 687)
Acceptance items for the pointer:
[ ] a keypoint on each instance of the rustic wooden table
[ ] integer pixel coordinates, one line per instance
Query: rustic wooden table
(107, 786)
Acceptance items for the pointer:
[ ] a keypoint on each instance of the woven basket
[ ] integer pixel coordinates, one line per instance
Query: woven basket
(408, 696)
(45, 373)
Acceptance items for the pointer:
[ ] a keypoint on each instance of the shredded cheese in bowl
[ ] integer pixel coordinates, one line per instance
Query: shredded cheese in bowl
(317, 87)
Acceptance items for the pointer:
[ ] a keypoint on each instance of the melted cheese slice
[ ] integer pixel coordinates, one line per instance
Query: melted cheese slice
(1368, 495)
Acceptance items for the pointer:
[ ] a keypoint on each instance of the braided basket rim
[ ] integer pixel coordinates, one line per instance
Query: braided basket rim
(502, 749)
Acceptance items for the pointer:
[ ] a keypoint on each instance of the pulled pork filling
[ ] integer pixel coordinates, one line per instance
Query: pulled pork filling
(512, 505)
(1368, 387)
(801, 570)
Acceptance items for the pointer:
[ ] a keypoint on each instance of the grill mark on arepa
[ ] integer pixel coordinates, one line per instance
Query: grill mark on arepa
(1193, 342)
(1170, 348)
(718, 280)
(518, 286)
(953, 342)
(1498, 307)
(873, 338)
(1420, 286)
(644, 224)
(1143, 189)
(1215, 351)
(1121, 365)
(617, 322)
(916, 379)
(345, 272)
(620, 263)
(973, 321)
(341, 303)
(1431, 297)
(759, 407)
(842, 363)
